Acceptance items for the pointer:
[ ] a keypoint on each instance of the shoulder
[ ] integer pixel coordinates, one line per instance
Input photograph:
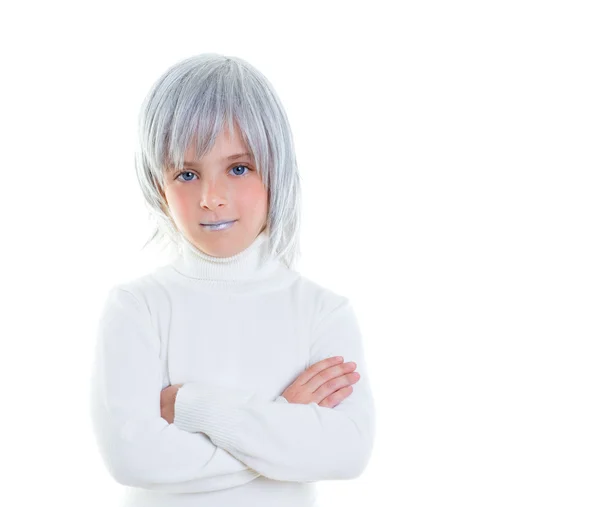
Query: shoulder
(334, 327)
(322, 300)
(146, 291)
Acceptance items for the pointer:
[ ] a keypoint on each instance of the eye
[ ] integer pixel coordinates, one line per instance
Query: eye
(235, 167)
(193, 174)
(184, 172)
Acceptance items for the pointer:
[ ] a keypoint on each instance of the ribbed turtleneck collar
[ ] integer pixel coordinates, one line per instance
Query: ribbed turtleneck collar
(253, 263)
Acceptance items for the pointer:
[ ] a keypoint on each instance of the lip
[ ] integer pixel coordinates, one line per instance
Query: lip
(219, 223)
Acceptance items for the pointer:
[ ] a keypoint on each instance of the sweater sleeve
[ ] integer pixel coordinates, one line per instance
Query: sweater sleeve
(139, 447)
(289, 441)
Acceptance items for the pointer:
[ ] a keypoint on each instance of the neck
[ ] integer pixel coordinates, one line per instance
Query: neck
(253, 263)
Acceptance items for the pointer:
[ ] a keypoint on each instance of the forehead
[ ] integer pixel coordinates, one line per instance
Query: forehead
(225, 144)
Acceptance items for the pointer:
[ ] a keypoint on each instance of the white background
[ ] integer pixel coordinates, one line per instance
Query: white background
(449, 158)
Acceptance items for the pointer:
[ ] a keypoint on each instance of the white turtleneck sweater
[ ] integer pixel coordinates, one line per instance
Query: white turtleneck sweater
(236, 332)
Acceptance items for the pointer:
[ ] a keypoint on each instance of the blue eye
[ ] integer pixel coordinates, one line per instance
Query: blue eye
(234, 167)
(184, 172)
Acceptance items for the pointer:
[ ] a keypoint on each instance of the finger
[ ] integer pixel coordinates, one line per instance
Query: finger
(328, 374)
(337, 383)
(316, 368)
(337, 397)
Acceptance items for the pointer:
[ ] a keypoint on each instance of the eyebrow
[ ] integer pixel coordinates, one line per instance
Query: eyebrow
(230, 157)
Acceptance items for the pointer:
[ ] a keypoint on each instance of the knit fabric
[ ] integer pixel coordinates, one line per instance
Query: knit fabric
(236, 332)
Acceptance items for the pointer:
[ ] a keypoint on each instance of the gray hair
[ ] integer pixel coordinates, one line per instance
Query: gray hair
(195, 99)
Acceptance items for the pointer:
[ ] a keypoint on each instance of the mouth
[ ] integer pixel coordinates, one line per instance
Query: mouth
(219, 223)
(222, 226)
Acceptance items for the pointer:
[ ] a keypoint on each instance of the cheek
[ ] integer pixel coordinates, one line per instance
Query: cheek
(179, 203)
(255, 197)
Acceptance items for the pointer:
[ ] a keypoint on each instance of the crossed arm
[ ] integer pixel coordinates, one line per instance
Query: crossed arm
(221, 437)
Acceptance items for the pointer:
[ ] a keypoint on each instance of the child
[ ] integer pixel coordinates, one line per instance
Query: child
(216, 374)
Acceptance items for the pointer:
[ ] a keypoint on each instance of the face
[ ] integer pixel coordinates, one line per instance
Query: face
(216, 188)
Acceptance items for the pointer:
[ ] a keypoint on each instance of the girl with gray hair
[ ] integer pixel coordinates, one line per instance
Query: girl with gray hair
(195, 100)
(220, 377)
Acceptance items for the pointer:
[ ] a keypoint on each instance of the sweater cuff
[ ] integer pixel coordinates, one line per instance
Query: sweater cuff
(210, 409)
(281, 399)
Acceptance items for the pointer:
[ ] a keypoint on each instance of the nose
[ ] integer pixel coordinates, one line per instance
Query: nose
(213, 195)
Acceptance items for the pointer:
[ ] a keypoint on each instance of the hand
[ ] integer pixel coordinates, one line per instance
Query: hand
(167, 402)
(327, 383)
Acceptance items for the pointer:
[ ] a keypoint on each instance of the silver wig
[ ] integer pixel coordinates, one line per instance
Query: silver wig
(195, 99)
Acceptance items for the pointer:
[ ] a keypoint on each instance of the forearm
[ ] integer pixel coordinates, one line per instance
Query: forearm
(291, 442)
(138, 447)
